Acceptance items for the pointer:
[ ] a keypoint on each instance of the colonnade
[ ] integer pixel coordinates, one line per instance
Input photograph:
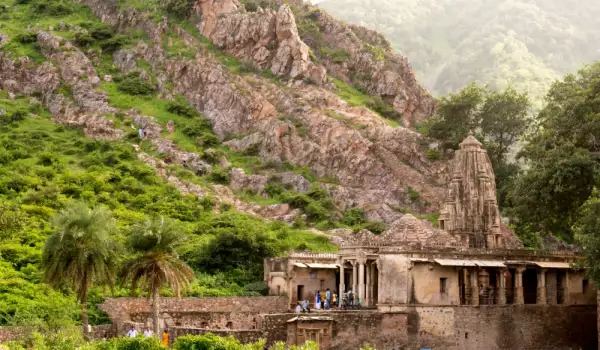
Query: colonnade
(362, 281)
(480, 277)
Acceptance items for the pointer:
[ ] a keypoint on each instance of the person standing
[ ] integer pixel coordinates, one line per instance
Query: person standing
(132, 332)
(148, 333)
(328, 299)
(317, 300)
(165, 339)
(298, 308)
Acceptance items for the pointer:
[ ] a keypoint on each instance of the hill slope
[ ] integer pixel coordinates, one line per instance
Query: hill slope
(526, 44)
(247, 142)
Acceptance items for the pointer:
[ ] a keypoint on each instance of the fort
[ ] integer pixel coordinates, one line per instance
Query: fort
(468, 284)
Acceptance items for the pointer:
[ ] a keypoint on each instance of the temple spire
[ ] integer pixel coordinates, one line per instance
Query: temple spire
(470, 210)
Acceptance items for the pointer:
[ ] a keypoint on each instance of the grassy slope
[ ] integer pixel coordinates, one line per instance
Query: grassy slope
(42, 166)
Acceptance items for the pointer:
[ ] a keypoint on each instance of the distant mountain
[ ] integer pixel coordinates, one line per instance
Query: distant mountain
(523, 43)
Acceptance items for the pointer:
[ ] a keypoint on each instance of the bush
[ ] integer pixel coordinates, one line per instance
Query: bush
(212, 156)
(220, 176)
(258, 288)
(413, 195)
(27, 38)
(133, 84)
(179, 7)
(83, 38)
(274, 189)
(208, 140)
(139, 343)
(114, 43)
(52, 7)
(433, 154)
(353, 217)
(101, 31)
(375, 226)
(196, 128)
(182, 108)
(251, 6)
(384, 109)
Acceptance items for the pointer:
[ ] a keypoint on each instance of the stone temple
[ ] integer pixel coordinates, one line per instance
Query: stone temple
(468, 284)
(465, 284)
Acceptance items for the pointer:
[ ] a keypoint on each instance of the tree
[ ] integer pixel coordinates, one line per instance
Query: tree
(587, 234)
(156, 264)
(498, 118)
(562, 157)
(81, 252)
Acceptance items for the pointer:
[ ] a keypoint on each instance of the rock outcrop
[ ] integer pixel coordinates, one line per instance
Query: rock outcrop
(266, 38)
(87, 106)
(366, 59)
(351, 150)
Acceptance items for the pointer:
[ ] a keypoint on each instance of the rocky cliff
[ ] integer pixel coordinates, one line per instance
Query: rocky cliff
(294, 115)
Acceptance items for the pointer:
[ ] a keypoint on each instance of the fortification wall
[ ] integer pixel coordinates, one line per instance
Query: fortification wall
(214, 313)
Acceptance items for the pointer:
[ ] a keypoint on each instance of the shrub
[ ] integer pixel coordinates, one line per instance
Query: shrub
(133, 84)
(182, 108)
(52, 7)
(212, 156)
(258, 288)
(83, 38)
(220, 176)
(252, 150)
(383, 108)
(316, 211)
(375, 226)
(251, 6)
(27, 38)
(353, 217)
(101, 31)
(196, 128)
(179, 7)
(412, 194)
(208, 140)
(114, 43)
(433, 154)
(274, 189)
(126, 343)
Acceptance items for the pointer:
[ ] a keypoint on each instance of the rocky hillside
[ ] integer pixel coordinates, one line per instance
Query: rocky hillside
(294, 100)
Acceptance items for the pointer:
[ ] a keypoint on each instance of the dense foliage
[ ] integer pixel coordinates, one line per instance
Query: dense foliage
(498, 118)
(561, 158)
(524, 44)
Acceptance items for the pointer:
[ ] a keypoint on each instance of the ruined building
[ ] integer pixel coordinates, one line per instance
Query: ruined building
(468, 284)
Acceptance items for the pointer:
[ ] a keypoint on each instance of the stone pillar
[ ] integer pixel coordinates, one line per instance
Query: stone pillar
(474, 287)
(368, 289)
(502, 287)
(372, 288)
(519, 298)
(354, 278)
(361, 280)
(342, 287)
(541, 290)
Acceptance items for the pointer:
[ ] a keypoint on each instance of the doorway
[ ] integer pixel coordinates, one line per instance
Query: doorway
(300, 293)
(530, 286)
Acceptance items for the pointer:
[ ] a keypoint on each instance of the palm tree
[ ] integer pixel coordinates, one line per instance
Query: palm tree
(81, 252)
(157, 264)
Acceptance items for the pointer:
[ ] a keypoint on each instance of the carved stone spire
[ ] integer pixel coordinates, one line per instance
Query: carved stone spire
(471, 210)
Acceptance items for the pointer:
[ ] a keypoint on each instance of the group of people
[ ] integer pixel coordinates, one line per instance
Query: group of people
(326, 299)
(148, 333)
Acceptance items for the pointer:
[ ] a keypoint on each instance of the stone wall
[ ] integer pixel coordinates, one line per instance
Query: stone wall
(216, 313)
(351, 329)
(531, 327)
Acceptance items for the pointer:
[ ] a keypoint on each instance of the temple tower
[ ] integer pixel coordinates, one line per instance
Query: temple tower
(470, 211)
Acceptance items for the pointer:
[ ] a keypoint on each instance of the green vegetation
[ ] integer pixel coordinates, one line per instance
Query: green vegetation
(156, 264)
(80, 252)
(523, 44)
(357, 98)
(68, 339)
(44, 167)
